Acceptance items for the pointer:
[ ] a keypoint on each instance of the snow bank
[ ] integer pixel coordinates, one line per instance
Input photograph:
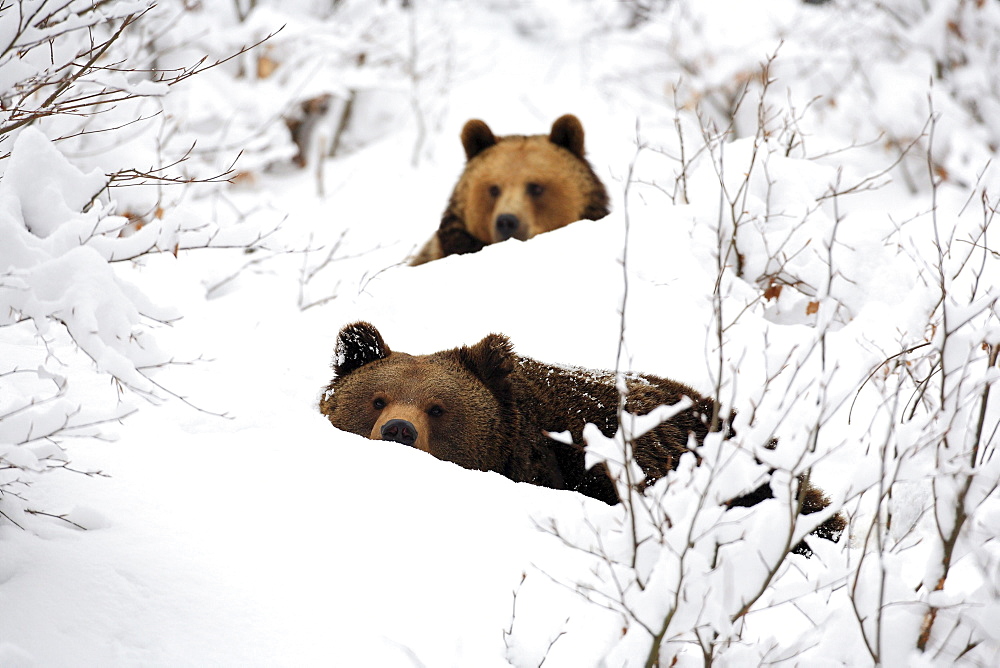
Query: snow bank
(784, 264)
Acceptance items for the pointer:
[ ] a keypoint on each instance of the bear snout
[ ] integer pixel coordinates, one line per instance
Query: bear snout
(400, 431)
(506, 226)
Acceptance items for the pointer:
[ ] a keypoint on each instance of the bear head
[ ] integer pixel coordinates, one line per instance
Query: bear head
(452, 404)
(517, 186)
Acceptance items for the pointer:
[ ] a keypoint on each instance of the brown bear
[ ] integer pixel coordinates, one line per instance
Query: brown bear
(516, 187)
(485, 407)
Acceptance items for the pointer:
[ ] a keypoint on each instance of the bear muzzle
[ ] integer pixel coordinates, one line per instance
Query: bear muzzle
(400, 431)
(508, 225)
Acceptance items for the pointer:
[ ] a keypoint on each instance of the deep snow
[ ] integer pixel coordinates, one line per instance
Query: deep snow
(237, 527)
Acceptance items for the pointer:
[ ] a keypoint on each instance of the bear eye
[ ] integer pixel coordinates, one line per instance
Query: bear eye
(379, 403)
(535, 189)
(435, 411)
(494, 191)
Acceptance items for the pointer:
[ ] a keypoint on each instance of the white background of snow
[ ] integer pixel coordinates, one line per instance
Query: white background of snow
(268, 538)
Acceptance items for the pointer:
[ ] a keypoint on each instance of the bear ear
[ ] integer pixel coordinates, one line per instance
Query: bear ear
(357, 345)
(491, 360)
(567, 132)
(476, 138)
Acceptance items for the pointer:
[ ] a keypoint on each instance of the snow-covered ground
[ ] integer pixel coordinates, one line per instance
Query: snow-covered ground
(223, 521)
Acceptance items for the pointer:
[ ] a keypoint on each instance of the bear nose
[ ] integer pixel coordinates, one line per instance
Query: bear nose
(401, 431)
(506, 225)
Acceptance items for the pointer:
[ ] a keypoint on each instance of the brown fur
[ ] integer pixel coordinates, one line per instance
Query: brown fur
(517, 186)
(484, 407)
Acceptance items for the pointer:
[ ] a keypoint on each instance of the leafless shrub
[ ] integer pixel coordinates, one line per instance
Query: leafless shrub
(73, 71)
(685, 575)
